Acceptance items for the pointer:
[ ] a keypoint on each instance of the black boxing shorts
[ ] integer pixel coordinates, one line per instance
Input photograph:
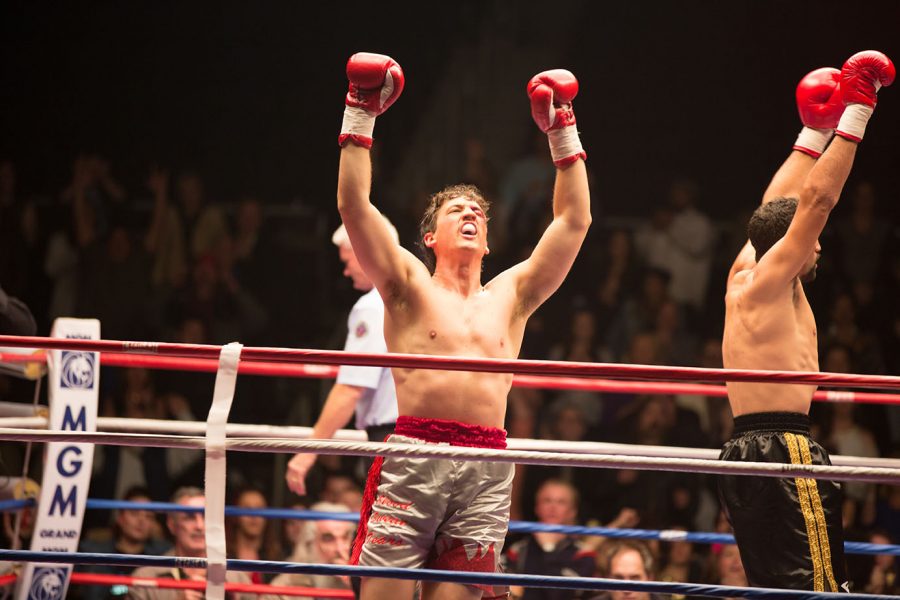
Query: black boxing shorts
(788, 529)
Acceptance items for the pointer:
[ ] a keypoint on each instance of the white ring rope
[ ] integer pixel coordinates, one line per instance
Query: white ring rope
(245, 430)
(643, 463)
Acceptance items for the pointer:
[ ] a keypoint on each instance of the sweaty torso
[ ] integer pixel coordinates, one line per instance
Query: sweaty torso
(776, 334)
(433, 320)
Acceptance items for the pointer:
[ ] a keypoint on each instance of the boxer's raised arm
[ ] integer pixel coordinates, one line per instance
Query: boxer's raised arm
(551, 94)
(820, 107)
(376, 81)
(861, 77)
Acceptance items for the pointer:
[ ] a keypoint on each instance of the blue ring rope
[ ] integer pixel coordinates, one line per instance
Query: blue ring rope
(467, 578)
(514, 526)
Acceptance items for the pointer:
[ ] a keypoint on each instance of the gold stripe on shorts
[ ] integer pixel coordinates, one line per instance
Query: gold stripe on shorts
(819, 513)
(803, 495)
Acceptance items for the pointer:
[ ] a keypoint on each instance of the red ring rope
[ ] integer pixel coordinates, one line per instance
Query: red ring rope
(186, 584)
(114, 359)
(447, 363)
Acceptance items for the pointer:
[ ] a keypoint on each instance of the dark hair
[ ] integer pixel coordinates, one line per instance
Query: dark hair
(576, 497)
(248, 488)
(619, 546)
(186, 491)
(429, 219)
(136, 491)
(769, 223)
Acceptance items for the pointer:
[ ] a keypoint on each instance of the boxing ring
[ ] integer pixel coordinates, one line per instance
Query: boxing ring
(216, 437)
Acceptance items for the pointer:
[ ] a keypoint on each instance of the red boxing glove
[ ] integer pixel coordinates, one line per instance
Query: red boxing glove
(376, 81)
(551, 94)
(862, 76)
(819, 99)
(820, 106)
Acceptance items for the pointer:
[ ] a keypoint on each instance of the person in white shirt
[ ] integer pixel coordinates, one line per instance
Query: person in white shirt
(367, 390)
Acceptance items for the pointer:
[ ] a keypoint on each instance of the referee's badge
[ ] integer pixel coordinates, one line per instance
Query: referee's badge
(361, 329)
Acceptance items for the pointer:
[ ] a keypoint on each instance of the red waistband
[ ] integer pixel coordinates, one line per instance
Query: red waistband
(451, 432)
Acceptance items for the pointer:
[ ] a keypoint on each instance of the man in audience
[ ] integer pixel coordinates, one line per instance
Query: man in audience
(188, 530)
(321, 542)
(133, 533)
(549, 553)
(630, 560)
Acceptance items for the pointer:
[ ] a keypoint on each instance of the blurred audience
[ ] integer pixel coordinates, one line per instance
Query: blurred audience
(188, 531)
(251, 537)
(631, 561)
(323, 542)
(164, 260)
(551, 553)
(681, 561)
(118, 468)
(134, 531)
(728, 568)
(680, 239)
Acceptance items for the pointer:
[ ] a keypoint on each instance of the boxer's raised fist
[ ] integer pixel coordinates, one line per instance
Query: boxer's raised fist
(820, 106)
(819, 99)
(376, 81)
(863, 75)
(551, 94)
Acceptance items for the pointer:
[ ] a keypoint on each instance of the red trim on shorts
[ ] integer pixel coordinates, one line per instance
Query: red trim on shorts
(456, 558)
(365, 511)
(451, 432)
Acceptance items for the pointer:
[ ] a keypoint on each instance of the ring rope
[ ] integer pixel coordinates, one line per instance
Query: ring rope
(467, 578)
(456, 363)
(236, 430)
(164, 583)
(665, 535)
(527, 457)
(173, 427)
(113, 359)
(187, 584)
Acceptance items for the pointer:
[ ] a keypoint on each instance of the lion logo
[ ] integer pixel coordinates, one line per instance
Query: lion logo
(77, 370)
(47, 584)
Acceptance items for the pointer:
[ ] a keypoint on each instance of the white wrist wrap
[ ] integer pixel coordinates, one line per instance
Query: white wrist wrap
(357, 121)
(815, 140)
(853, 121)
(564, 143)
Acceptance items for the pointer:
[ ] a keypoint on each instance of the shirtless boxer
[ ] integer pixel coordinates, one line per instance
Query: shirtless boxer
(440, 513)
(789, 530)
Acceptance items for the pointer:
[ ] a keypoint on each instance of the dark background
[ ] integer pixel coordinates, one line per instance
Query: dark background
(250, 93)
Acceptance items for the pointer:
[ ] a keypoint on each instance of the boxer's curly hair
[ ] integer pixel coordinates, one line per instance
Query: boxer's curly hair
(429, 219)
(769, 223)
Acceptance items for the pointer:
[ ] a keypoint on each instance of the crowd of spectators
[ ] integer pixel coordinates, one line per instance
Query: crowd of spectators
(167, 262)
